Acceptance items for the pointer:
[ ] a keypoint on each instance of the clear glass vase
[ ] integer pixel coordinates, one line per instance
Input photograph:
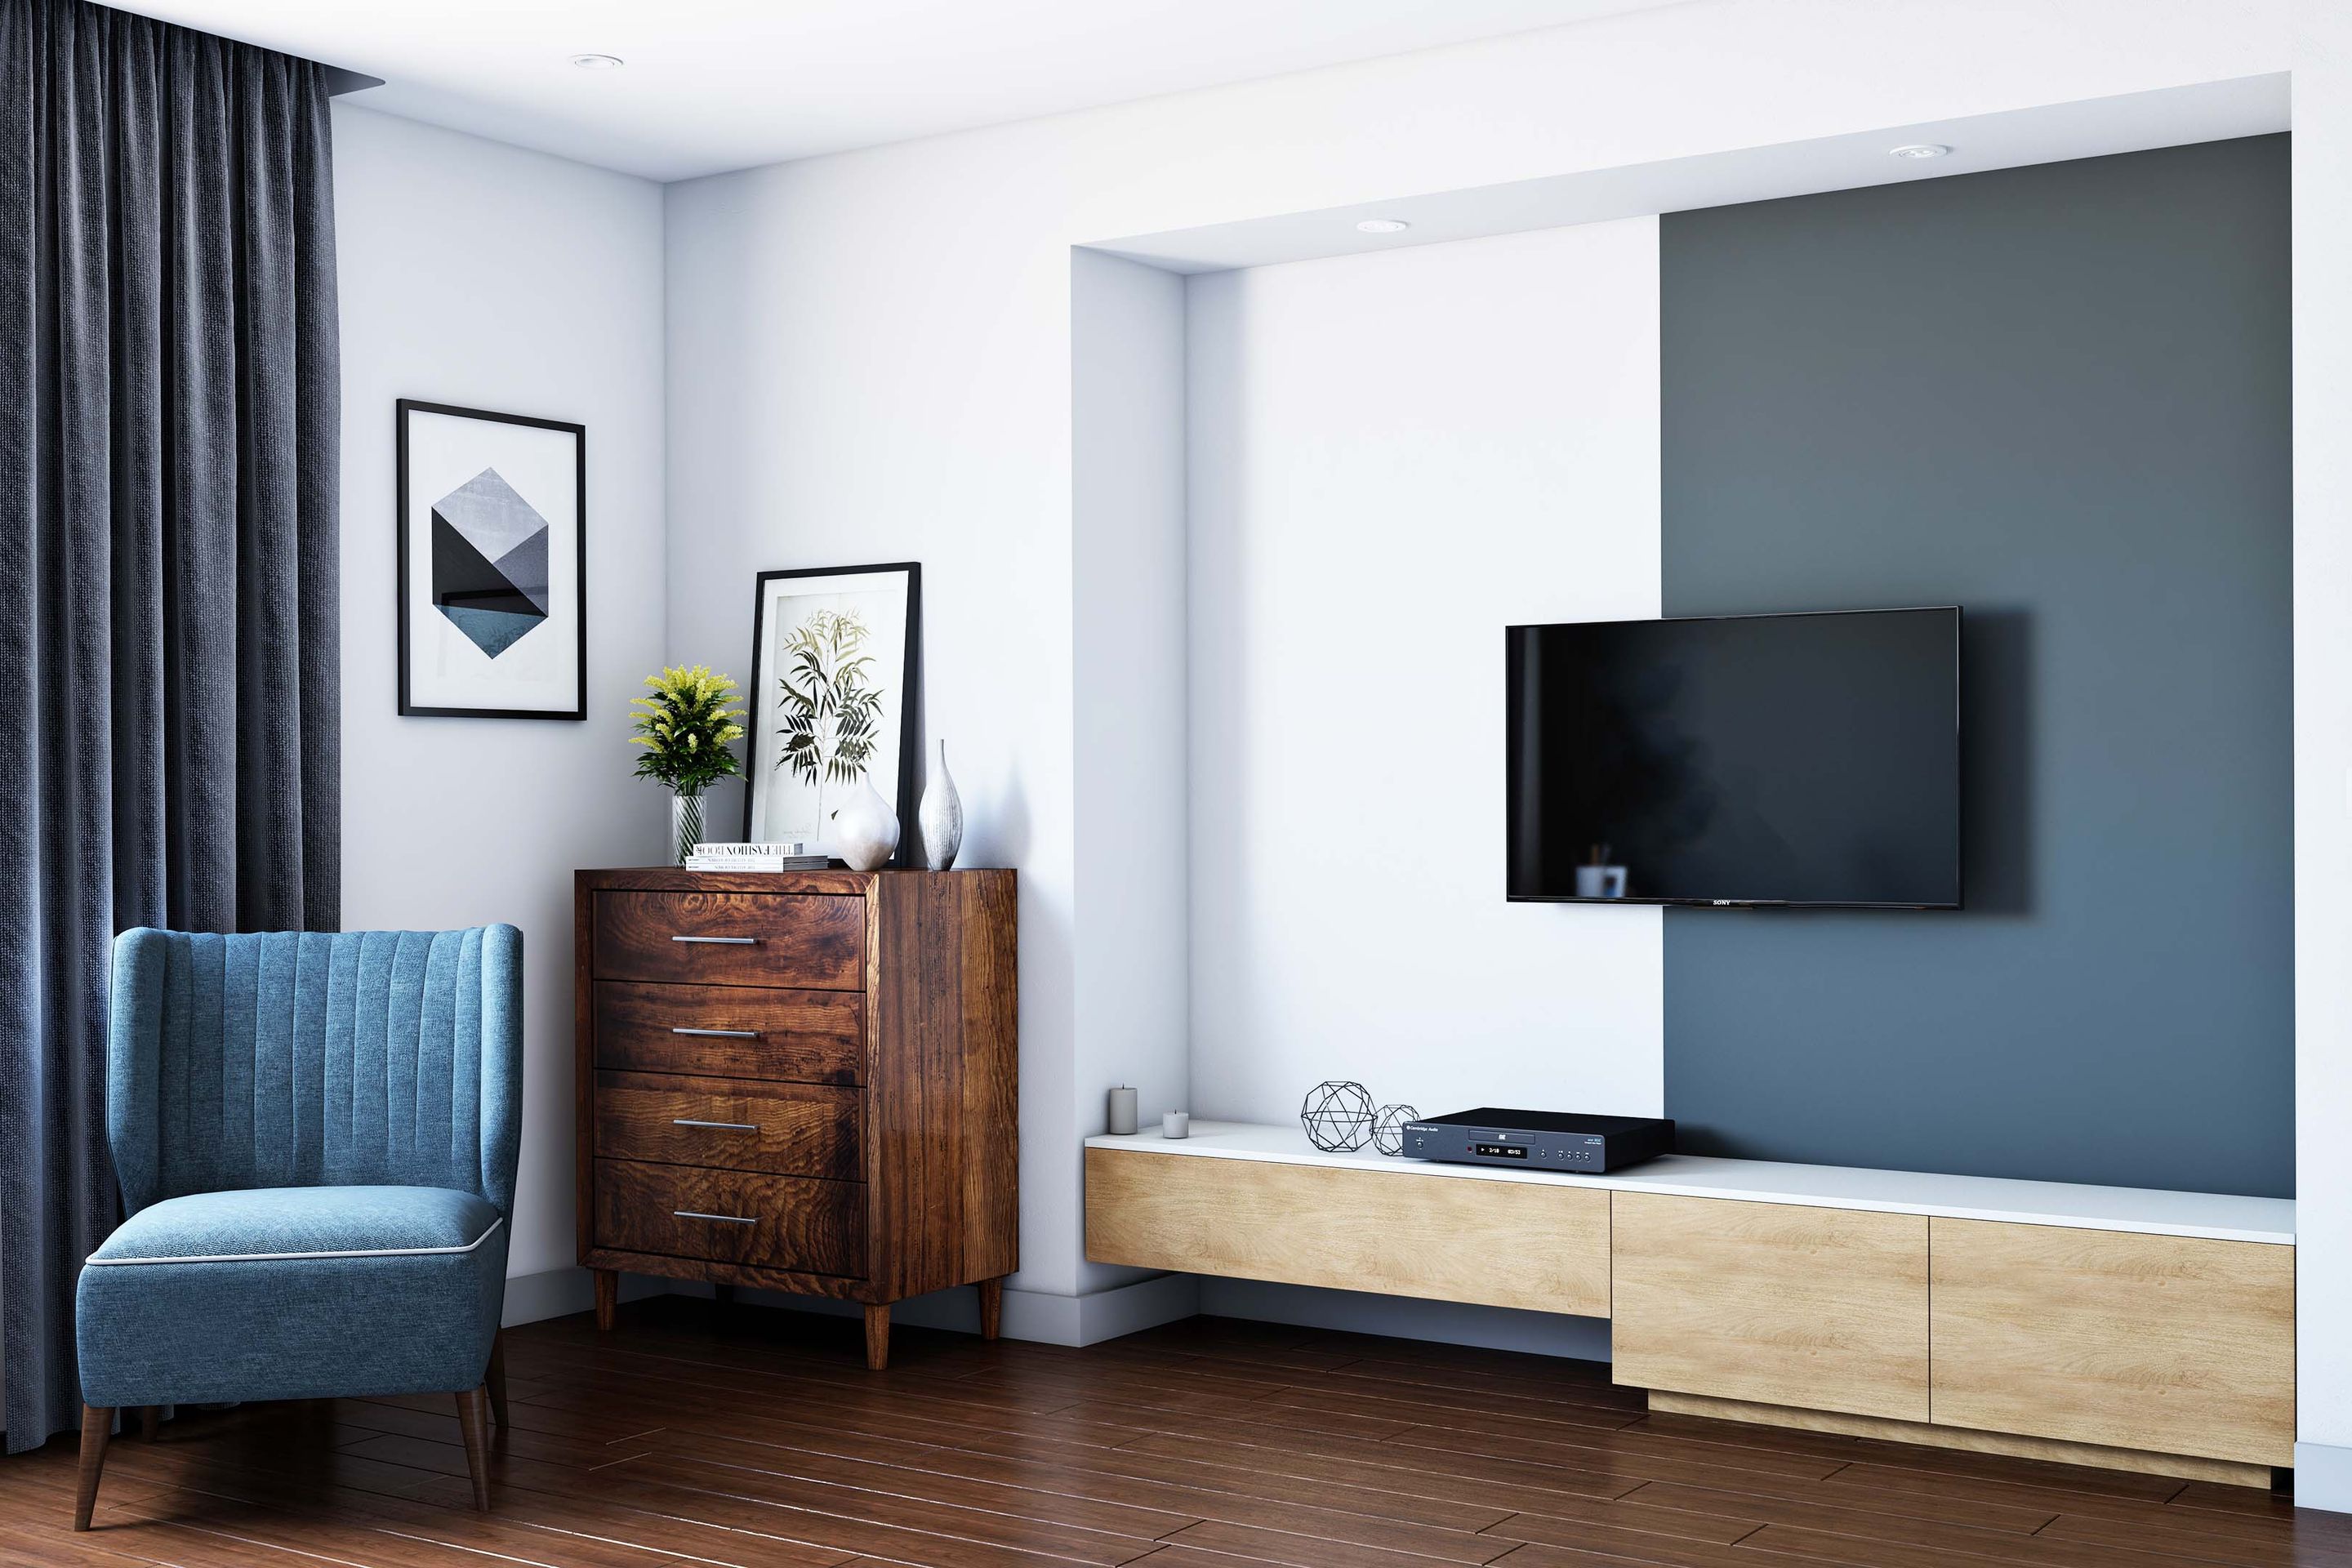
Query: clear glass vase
(685, 825)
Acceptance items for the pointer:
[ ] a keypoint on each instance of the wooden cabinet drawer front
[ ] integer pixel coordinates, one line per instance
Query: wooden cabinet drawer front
(815, 940)
(1507, 1244)
(1774, 1304)
(731, 1031)
(786, 1130)
(2177, 1344)
(733, 1216)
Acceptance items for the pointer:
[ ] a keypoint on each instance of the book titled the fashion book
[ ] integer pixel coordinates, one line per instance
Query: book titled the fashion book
(790, 855)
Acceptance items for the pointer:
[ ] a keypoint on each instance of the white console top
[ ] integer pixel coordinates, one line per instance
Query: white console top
(2143, 1209)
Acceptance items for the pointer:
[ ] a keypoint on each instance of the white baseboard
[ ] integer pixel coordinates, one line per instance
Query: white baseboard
(1049, 1318)
(560, 1292)
(1407, 1317)
(1038, 1315)
(2322, 1477)
(1130, 1308)
(1052, 1319)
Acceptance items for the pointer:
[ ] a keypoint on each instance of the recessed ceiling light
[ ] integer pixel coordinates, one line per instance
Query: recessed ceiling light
(1383, 225)
(1918, 150)
(598, 62)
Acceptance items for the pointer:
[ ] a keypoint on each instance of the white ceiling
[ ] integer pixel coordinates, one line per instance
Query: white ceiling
(2089, 128)
(711, 85)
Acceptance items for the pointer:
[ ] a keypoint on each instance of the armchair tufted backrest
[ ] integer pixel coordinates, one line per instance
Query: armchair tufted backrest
(298, 1058)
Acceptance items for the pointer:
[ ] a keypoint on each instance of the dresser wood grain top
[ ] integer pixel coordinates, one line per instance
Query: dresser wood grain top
(676, 879)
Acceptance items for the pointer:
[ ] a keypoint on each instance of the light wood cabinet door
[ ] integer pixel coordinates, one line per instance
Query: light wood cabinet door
(1773, 1303)
(2179, 1344)
(1450, 1239)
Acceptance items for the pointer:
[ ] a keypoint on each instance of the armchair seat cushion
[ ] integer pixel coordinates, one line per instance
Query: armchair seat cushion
(292, 1293)
(299, 1223)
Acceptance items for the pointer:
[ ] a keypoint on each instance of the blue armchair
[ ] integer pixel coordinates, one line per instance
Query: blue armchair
(315, 1136)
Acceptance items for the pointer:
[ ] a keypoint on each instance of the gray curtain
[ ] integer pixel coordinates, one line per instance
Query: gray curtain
(168, 433)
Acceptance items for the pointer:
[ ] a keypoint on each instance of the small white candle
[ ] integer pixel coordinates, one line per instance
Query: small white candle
(1176, 1124)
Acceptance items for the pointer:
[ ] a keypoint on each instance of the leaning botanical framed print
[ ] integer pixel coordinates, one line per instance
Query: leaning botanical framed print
(493, 581)
(835, 662)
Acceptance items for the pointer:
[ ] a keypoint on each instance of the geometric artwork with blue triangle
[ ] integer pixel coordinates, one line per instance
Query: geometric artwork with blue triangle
(489, 562)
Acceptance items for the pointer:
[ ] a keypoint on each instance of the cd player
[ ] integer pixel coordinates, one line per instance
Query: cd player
(1539, 1140)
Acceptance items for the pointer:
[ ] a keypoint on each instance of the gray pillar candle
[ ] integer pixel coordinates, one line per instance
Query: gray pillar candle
(1122, 1111)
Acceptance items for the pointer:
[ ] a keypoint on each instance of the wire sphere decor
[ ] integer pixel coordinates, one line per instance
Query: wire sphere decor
(1388, 1128)
(1337, 1116)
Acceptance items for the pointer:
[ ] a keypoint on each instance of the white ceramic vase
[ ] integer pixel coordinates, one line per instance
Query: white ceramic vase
(940, 817)
(864, 832)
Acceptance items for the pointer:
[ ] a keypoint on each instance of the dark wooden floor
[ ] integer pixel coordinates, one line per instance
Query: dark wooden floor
(756, 1437)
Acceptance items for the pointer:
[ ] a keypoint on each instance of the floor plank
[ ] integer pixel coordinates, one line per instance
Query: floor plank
(758, 1440)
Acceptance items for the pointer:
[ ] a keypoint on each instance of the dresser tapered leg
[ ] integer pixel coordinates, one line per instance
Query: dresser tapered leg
(878, 1338)
(992, 1307)
(95, 1425)
(608, 1295)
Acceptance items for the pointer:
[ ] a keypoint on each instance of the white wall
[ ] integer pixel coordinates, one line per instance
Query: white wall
(871, 355)
(477, 274)
(1392, 458)
(2322, 751)
(1130, 974)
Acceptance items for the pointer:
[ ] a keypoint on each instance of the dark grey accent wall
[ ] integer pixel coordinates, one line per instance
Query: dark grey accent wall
(2057, 396)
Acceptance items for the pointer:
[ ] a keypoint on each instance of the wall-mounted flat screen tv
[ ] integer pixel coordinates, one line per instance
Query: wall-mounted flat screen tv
(1740, 760)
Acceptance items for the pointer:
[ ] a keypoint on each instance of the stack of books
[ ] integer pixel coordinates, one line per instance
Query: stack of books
(790, 855)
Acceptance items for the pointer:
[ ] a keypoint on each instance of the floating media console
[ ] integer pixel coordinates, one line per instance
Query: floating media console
(2110, 1326)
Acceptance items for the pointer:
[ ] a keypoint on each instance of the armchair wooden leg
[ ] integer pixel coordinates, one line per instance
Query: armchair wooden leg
(608, 1295)
(496, 1379)
(471, 1423)
(878, 1338)
(151, 1416)
(992, 1307)
(95, 1425)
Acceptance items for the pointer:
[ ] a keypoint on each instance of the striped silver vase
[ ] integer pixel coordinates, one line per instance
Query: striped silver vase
(684, 824)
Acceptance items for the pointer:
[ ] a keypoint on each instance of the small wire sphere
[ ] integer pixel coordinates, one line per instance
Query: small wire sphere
(1337, 1116)
(1388, 1128)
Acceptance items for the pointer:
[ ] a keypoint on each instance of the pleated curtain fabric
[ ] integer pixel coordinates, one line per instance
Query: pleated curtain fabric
(169, 434)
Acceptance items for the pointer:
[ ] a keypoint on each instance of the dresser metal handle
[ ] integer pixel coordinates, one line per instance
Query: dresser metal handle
(721, 941)
(718, 1126)
(720, 1034)
(722, 1218)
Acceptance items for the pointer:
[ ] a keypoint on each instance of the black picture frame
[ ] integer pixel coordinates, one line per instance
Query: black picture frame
(403, 409)
(909, 740)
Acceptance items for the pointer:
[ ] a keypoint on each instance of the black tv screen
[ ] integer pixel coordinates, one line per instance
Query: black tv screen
(1806, 759)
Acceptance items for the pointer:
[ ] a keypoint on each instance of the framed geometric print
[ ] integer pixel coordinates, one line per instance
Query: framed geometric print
(493, 591)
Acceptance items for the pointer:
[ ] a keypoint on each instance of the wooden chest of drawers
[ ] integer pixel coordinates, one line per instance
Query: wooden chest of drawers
(801, 1082)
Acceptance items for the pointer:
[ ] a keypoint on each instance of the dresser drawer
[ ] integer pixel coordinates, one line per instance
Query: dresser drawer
(733, 1216)
(814, 941)
(731, 1031)
(783, 1129)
